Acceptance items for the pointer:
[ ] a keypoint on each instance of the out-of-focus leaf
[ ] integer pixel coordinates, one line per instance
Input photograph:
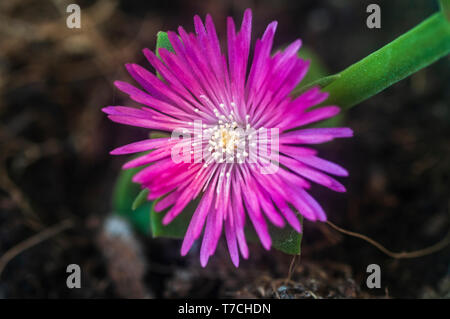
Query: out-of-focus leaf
(317, 68)
(177, 228)
(125, 193)
(140, 199)
(317, 76)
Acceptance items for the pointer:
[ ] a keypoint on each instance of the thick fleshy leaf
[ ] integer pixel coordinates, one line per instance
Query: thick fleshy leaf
(140, 199)
(287, 239)
(412, 51)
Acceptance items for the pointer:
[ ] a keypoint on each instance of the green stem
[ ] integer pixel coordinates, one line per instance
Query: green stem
(407, 54)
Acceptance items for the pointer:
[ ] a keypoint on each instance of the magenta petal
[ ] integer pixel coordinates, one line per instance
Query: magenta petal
(230, 235)
(208, 240)
(323, 165)
(148, 158)
(314, 135)
(320, 214)
(317, 115)
(167, 201)
(271, 212)
(335, 131)
(141, 146)
(142, 122)
(312, 174)
(197, 222)
(242, 242)
(297, 152)
(262, 230)
(287, 212)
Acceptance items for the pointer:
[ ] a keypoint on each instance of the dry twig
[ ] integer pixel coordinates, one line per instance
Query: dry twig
(33, 241)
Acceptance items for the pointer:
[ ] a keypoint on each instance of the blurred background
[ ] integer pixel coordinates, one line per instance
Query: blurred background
(57, 178)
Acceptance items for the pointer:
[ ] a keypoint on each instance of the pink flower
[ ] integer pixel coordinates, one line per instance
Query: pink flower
(227, 93)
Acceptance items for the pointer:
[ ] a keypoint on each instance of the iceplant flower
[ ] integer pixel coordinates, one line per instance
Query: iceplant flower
(226, 92)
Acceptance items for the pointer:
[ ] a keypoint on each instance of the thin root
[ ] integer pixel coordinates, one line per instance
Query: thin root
(402, 255)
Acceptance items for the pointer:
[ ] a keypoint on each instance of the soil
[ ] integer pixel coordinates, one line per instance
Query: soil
(54, 161)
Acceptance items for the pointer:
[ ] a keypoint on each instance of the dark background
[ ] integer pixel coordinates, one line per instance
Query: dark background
(55, 166)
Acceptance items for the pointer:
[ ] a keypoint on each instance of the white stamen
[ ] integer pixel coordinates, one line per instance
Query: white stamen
(225, 142)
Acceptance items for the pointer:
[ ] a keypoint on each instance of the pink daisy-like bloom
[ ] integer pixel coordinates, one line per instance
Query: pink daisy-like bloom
(226, 92)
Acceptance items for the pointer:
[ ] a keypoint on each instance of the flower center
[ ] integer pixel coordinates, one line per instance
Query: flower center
(227, 141)
(225, 138)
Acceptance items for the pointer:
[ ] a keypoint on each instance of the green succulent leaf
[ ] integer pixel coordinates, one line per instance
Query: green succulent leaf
(177, 228)
(125, 194)
(412, 51)
(286, 239)
(322, 82)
